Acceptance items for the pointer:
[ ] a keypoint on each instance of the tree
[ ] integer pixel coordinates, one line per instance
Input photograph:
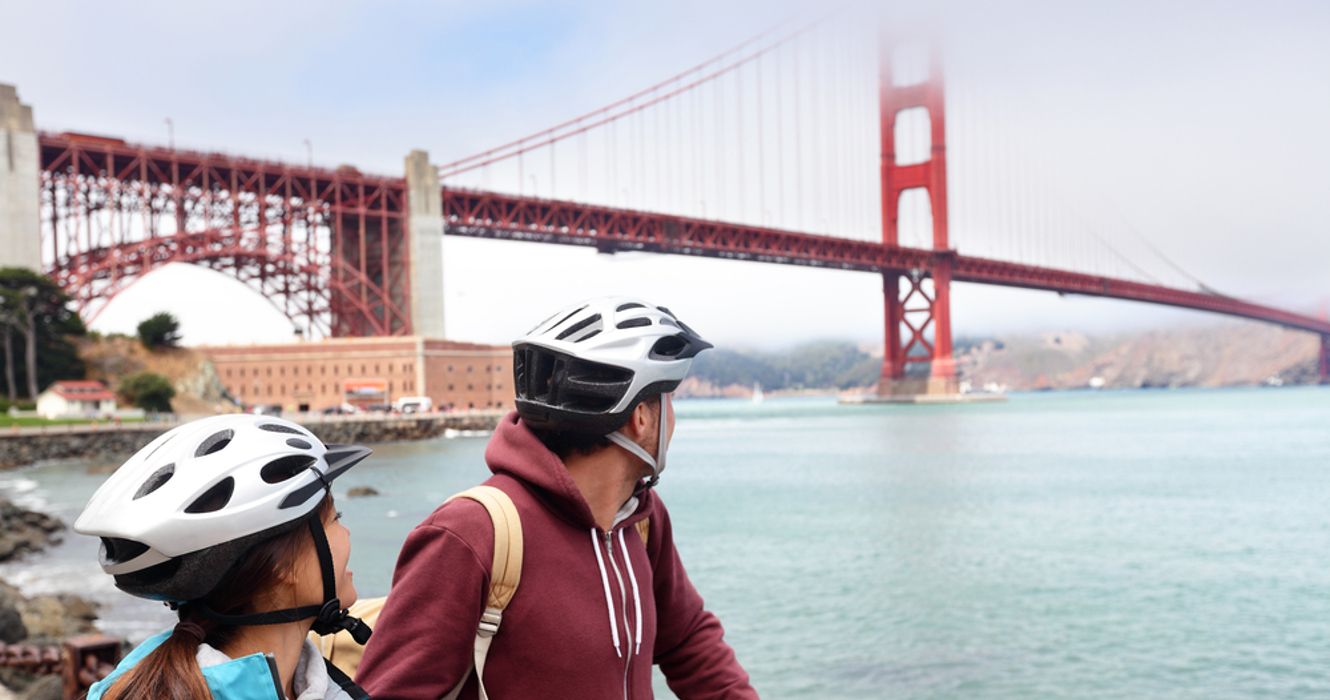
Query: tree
(9, 320)
(161, 330)
(148, 391)
(35, 308)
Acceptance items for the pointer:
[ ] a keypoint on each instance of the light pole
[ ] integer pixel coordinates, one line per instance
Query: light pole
(170, 133)
(309, 153)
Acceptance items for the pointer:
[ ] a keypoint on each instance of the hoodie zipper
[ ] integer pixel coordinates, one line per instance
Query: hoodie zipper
(623, 604)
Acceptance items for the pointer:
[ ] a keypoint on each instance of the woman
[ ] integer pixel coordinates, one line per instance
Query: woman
(230, 521)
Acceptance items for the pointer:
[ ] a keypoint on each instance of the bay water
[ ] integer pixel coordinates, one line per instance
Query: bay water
(1079, 545)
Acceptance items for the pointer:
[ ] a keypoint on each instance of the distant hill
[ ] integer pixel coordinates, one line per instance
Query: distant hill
(1230, 354)
(820, 366)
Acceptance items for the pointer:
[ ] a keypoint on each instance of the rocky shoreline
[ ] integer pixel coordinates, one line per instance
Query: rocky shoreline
(38, 620)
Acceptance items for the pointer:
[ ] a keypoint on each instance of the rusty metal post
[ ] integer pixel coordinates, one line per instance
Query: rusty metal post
(80, 662)
(88, 659)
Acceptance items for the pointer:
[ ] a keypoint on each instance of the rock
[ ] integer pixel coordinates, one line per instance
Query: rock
(55, 618)
(45, 688)
(24, 530)
(12, 628)
(359, 491)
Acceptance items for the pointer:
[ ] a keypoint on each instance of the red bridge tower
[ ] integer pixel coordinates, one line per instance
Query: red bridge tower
(917, 302)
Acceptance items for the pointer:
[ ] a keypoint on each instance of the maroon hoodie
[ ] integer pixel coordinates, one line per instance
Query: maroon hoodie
(594, 609)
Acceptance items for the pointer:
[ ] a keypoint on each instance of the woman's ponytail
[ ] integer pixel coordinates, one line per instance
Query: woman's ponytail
(171, 671)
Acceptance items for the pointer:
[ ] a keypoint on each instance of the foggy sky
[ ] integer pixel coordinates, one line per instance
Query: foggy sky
(1200, 124)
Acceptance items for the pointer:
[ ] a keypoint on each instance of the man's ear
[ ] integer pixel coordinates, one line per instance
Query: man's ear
(638, 421)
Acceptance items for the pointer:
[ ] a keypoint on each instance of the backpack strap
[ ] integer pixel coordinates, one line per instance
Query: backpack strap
(643, 528)
(344, 682)
(505, 574)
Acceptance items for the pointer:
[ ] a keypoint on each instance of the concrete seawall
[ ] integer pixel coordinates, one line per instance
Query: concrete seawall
(24, 446)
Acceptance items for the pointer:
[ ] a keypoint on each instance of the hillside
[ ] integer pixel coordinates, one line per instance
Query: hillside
(1232, 354)
(112, 358)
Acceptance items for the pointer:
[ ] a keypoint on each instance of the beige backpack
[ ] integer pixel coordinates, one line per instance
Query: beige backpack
(505, 574)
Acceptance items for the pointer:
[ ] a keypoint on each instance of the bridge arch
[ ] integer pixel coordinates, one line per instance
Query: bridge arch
(303, 288)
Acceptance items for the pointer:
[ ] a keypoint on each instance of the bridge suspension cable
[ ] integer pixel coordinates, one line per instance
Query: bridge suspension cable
(775, 132)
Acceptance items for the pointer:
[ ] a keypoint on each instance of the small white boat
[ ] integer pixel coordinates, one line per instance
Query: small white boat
(757, 393)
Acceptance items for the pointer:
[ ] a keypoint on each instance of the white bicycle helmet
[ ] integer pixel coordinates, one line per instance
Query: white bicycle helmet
(584, 369)
(177, 516)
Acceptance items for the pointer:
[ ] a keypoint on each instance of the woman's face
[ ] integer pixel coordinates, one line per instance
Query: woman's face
(309, 577)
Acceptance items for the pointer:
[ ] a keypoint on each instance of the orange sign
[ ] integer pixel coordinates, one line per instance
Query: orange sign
(365, 391)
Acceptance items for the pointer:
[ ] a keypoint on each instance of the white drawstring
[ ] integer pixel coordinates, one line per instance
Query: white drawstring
(637, 596)
(605, 581)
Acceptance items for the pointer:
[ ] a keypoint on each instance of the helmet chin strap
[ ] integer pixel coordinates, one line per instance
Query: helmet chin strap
(329, 617)
(657, 462)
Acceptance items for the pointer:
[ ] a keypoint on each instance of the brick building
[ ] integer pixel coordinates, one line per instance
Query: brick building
(313, 375)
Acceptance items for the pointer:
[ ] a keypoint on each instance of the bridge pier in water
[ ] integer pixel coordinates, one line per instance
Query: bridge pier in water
(20, 173)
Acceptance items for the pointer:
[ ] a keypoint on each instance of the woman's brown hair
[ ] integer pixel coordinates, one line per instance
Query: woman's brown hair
(171, 671)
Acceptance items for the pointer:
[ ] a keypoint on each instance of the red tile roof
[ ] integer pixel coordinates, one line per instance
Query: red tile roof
(82, 391)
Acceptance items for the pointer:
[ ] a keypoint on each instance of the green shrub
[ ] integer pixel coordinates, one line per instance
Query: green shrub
(161, 330)
(148, 391)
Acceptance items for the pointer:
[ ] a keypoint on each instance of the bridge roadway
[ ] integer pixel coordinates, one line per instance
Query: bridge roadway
(512, 217)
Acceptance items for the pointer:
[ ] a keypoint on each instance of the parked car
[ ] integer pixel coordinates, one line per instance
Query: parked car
(343, 410)
(266, 409)
(414, 404)
(378, 408)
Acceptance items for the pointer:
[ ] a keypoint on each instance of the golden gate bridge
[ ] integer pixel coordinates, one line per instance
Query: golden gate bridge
(805, 145)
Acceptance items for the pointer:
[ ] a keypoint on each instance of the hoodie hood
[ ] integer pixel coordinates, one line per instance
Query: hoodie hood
(514, 451)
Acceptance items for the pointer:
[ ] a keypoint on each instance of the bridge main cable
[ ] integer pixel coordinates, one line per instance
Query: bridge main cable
(658, 93)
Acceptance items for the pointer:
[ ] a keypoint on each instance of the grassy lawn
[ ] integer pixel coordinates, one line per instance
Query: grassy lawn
(10, 421)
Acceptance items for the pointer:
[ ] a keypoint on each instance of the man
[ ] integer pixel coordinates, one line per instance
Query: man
(603, 594)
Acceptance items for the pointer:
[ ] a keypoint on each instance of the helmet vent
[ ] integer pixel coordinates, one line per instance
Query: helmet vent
(630, 305)
(214, 443)
(117, 550)
(154, 482)
(283, 468)
(565, 318)
(638, 322)
(169, 437)
(669, 346)
(215, 498)
(593, 318)
(279, 428)
(298, 443)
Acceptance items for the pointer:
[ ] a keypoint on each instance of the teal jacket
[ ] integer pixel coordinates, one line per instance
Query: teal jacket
(252, 677)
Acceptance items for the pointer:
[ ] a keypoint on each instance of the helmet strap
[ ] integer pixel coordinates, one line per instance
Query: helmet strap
(657, 462)
(329, 617)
